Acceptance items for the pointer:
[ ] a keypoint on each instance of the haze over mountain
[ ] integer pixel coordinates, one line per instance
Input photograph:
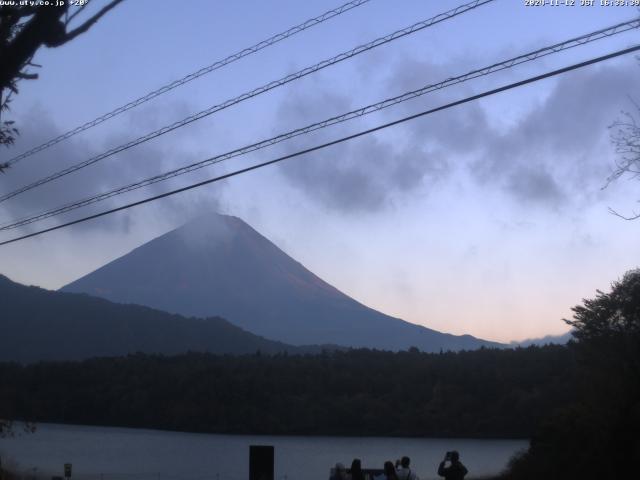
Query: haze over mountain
(546, 340)
(38, 324)
(219, 265)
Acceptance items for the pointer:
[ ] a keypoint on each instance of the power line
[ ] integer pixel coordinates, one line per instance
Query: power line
(335, 142)
(258, 91)
(312, 22)
(527, 57)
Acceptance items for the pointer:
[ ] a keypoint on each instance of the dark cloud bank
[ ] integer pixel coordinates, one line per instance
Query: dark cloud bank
(553, 156)
(142, 161)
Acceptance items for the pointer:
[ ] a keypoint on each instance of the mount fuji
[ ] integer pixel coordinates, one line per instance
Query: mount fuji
(217, 265)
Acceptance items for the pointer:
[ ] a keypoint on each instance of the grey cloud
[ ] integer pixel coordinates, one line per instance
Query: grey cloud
(457, 130)
(581, 106)
(126, 167)
(535, 186)
(368, 174)
(555, 153)
(360, 175)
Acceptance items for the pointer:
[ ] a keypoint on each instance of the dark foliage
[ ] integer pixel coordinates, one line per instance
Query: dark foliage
(598, 436)
(483, 393)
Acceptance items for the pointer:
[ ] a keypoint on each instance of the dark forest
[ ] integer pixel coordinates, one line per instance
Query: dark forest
(483, 393)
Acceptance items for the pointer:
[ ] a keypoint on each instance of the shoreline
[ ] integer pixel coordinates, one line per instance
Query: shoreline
(277, 435)
(143, 453)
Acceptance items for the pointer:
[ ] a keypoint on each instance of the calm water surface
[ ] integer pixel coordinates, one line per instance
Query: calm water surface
(124, 454)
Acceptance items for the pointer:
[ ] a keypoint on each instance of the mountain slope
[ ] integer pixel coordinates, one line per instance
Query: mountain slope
(219, 265)
(38, 324)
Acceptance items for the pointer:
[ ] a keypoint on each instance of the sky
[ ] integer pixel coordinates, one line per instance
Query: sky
(488, 218)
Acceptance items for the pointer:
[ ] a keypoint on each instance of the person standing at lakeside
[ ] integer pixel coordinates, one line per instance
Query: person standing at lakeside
(339, 472)
(455, 470)
(405, 472)
(356, 470)
(390, 471)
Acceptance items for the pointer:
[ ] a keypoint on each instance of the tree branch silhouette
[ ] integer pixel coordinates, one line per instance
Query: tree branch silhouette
(23, 30)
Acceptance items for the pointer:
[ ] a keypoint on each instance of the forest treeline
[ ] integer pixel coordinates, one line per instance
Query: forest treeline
(482, 393)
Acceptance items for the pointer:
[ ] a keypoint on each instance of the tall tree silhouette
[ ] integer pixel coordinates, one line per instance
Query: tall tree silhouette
(597, 436)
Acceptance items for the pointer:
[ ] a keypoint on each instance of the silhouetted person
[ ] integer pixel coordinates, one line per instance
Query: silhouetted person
(404, 471)
(356, 470)
(456, 470)
(390, 471)
(339, 473)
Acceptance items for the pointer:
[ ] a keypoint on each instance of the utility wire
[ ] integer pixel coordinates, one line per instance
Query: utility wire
(527, 57)
(335, 142)
(312, 22)
(260, 90)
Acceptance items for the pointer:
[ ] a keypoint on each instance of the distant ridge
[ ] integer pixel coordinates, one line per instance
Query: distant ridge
(219, 265)
(546, 340)
(38, 324)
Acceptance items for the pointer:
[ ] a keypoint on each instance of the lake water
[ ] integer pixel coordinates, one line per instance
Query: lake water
(127, 454)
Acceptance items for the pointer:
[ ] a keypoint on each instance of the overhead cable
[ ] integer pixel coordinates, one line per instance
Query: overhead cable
(312, 22)
(258, 91)
(333, 142)
(496, 67)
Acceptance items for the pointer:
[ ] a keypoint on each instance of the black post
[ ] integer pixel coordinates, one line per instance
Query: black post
(261, 462)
